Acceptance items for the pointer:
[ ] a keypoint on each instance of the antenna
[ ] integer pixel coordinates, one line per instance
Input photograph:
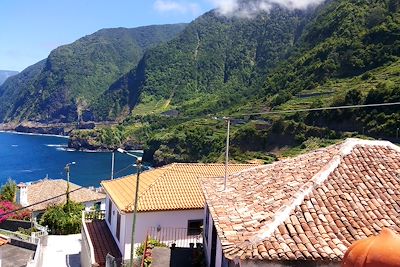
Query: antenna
(112, 164)
(228, 120)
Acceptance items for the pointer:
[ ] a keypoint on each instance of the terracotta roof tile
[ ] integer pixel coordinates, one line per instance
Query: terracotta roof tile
(172, 187)
(48, 188)
(309, 207)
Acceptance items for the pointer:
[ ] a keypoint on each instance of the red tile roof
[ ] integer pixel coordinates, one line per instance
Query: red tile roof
(311, 207)
(44, 189)
(103, 242)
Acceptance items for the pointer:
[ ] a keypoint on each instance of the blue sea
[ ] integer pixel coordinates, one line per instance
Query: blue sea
(26, 158)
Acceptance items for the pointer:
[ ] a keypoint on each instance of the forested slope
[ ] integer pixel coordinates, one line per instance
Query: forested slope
(75, 75)
(343, 52)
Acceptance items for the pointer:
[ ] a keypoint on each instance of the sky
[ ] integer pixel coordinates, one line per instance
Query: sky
(30, 29)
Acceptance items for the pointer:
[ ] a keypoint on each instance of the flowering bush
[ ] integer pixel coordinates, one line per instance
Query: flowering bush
(7, 206)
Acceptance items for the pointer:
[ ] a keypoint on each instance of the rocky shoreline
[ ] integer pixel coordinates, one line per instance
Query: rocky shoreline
(63, 129)
(66, 130)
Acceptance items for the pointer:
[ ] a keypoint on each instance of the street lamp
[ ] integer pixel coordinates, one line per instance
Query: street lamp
(139, 167)
(67, 170)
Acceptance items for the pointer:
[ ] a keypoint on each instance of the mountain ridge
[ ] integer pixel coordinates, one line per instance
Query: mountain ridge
(74, 75)
(5, 74)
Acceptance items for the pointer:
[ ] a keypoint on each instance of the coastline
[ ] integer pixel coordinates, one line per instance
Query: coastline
(38, 134)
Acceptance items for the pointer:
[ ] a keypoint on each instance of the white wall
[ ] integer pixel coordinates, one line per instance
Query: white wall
(145, 220)
(207, 243)
(113, 225)
(90, 204)
(218, 254)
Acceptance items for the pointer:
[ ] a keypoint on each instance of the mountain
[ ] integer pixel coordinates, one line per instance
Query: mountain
(75, 75)
(5, 74)
(340, 53)
(214, 56)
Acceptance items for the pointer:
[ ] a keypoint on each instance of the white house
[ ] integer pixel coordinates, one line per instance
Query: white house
(304, 211)
(170, 208)
(48, 192)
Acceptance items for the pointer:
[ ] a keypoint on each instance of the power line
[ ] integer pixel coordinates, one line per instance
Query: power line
(37, 203)
(315, 109)
(124, 169)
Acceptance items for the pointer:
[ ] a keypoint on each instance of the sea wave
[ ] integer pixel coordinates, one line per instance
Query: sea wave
(29, 170)
(65, 148)
(56, 145)
(22, 133)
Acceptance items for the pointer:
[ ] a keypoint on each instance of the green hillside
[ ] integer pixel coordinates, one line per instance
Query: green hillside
(345, 52)
(5, 74)
(18, 90)
(75, 75)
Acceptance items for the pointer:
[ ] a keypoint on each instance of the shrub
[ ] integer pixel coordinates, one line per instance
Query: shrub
(63, 219)
(151, 243)
(8, 190)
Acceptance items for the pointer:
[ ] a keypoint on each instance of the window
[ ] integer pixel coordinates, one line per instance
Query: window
(117, 232)
(109, 210)
(97, 206)
(194, 227)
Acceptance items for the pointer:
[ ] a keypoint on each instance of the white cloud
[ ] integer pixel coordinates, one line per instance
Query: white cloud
(175, 6)
(248, 8)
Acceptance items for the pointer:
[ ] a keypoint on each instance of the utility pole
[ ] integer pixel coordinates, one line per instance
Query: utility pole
(67, 170)
(112, 164)
(139, 167)
(397, 133)
(228, 120)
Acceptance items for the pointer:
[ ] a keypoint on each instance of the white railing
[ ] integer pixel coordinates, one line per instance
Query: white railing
(19, 236)
(43, 230)
(37, 259)
(87, 251)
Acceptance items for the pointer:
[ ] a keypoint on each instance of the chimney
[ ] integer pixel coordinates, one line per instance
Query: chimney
(22, 194)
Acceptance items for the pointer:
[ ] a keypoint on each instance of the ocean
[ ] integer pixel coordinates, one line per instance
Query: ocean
(26, 158)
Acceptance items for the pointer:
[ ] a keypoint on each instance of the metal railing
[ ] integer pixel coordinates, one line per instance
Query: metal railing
(94, 215)
(178, 237)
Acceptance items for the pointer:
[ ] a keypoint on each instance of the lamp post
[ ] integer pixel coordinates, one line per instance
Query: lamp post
(228, 121)
(67, 170)
(139, 167)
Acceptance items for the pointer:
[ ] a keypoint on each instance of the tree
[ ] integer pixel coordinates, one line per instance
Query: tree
(9, 190)
(63, 219)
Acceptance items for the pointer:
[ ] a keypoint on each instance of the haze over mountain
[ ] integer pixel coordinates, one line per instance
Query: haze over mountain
(5, 74)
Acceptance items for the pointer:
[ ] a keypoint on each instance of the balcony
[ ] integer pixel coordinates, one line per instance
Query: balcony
(98, 245)
(176, 237)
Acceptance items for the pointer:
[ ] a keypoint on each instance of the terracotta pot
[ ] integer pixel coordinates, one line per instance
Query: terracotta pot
(382, 250)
